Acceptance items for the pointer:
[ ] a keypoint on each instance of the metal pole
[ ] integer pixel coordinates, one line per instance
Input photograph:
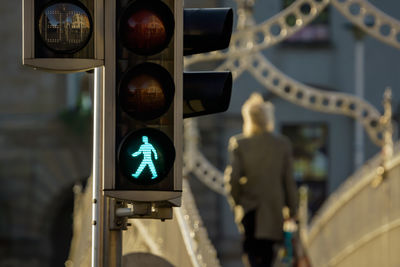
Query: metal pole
(115, 249)
(98, 199)
(112, 236)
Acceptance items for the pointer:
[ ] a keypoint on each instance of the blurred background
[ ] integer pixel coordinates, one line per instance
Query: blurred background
(46, 128)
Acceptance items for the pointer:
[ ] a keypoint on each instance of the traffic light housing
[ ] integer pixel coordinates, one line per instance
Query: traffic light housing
(145, 91)
(143, 103)
(206, 92)
(63, 36)
(147, 95)
(206, 30)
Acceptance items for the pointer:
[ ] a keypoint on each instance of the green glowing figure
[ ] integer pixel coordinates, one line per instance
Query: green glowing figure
(146, 149)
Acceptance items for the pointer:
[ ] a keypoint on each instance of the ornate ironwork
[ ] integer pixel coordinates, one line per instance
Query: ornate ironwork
(244, 55)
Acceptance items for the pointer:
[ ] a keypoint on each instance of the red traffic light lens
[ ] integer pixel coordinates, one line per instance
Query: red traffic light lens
(145, 31)
(65, 27)
(146, 28)
(146, 91)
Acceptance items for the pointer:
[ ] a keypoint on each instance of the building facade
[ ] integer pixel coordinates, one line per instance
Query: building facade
(45, 150)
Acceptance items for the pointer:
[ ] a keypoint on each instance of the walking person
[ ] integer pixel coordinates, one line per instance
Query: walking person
(147, 150)
(260, 181)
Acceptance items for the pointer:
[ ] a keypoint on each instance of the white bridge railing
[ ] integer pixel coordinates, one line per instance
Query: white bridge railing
(359, 225)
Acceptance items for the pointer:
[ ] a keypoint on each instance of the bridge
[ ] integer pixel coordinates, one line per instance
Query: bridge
(359, 225)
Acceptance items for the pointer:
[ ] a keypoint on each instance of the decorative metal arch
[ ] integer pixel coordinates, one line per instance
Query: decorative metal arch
(244, 54)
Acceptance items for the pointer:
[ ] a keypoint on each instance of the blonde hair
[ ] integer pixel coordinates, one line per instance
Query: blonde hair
(258, 116)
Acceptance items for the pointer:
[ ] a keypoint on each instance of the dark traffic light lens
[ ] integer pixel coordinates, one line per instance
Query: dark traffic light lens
(146, 91)
(146, 28)
(146, 156)
(65, 27)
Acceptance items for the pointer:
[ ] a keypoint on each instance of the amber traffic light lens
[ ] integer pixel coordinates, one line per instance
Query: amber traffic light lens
(146, 91)
(65, 27)
(146, 28)
(144, 94)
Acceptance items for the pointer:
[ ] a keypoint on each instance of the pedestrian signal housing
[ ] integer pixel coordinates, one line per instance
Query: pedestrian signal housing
(147, 94)
(143, 102)
(63, 36)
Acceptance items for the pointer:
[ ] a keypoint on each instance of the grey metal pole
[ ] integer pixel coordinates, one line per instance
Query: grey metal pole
(112, 237)
(115, 248)
(98, 199)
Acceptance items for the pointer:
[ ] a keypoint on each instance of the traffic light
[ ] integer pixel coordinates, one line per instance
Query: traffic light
(206, 30)
(206, 93)
(63, 36)
(143, 103)
(147, 95)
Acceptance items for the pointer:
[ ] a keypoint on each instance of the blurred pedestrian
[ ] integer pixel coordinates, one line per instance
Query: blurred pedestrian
(260, 181)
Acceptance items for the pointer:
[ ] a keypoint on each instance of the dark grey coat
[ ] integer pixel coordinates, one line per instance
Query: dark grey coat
(260, 178)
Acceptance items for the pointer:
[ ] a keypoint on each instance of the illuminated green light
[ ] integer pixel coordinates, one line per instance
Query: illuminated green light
(146, 156)
(146, 149)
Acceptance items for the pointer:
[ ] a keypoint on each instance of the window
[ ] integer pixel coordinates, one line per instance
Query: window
(316, 32)
(311, 159)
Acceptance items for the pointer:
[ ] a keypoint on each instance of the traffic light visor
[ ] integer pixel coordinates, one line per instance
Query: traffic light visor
(146, 27)
(207, 29)
(65, 27)
(206, 93)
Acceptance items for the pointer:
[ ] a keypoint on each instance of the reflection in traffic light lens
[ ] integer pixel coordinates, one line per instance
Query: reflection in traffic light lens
(146, 28)
(64, 27)
(146, 156)
(146, 91)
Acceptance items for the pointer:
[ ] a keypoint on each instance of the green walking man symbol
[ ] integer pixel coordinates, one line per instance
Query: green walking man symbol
(146, 149)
